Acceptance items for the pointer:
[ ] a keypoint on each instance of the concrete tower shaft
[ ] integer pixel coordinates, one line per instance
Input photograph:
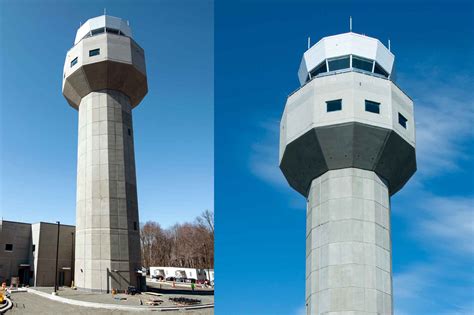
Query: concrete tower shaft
(104, 78)
(347, 142)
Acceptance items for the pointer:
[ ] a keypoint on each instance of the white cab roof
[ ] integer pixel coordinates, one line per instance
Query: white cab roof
(342, 45)
(101, 22)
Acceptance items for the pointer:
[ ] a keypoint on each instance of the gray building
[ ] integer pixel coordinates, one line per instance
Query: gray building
(28, 251)
(347, 143)
(104, 79)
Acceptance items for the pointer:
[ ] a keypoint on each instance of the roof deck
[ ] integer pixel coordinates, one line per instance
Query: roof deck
(103, 24)
(346, 51)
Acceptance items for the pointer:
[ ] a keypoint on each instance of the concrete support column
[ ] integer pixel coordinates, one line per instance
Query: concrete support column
(107, 225)
(348, 244)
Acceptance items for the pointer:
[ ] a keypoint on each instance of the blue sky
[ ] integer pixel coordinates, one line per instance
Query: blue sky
(173, 125)
(260, 221)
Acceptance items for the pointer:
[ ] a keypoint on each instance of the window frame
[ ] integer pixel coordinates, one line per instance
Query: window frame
(348, 57)
(74, 61)
(402, 121)
(381, 70)
(332, 103)
(363, 60)
(94, 52)
(320, 68)
(369, 105)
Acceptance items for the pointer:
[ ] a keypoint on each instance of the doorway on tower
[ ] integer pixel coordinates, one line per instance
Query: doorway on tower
(65, 277)
(24, 274)
(61, 279)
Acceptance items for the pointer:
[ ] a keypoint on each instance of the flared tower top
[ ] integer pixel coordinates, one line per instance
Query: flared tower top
(101, 24)
(346, 52)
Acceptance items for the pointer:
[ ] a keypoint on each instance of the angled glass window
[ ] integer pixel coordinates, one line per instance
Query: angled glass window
(372, 107)
(73, 62)
(97, 31)
(321, 68)
(362, 64)
(402, 120)
(379, 70)
(339, 63)
(334, 105)
(112, 30)
(94, 52)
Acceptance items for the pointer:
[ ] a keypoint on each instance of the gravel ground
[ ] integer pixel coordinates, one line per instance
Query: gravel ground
(127, 299)
(29, 303)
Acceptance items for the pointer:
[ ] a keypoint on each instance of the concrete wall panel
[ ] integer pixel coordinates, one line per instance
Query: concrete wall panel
(119, 66)
(348, 248)
(107, 239)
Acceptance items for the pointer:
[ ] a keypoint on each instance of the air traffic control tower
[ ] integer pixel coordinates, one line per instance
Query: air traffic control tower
(104, 79)
(347, 143)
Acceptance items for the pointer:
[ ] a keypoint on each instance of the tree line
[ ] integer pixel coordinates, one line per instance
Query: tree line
(187, 245)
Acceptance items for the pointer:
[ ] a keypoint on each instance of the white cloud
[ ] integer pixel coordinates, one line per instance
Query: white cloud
(301, 311)
(444, 124)
(448, 222)
(264, 155)
(444, 113)
(440, 223)
(437, 287)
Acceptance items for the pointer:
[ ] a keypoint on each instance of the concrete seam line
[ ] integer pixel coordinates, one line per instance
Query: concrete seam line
(115, 307)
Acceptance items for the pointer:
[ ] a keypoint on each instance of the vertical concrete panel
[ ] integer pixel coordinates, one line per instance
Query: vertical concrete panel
(107, 211)
(348, 249)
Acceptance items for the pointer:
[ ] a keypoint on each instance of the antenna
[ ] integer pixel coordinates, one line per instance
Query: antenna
(389, 44)
(105, 11)
(309, 42)
(350, 24)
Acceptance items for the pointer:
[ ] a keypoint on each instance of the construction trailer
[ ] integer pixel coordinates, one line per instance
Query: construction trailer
(184, 273)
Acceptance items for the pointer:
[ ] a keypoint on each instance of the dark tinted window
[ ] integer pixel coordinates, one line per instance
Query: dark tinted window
(332, 106)
(135, 225)
(94, 52)
(74, 61)
(98, 31)
(33, 247)
(372, 107)
(112, 30)
(362, 64)
(9, 247)
(340, 63)
(319, 69)
(379, 70)
(402, 120)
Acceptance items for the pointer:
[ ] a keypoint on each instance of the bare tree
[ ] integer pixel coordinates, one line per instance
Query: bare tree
(206, 220)
(182, 245)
